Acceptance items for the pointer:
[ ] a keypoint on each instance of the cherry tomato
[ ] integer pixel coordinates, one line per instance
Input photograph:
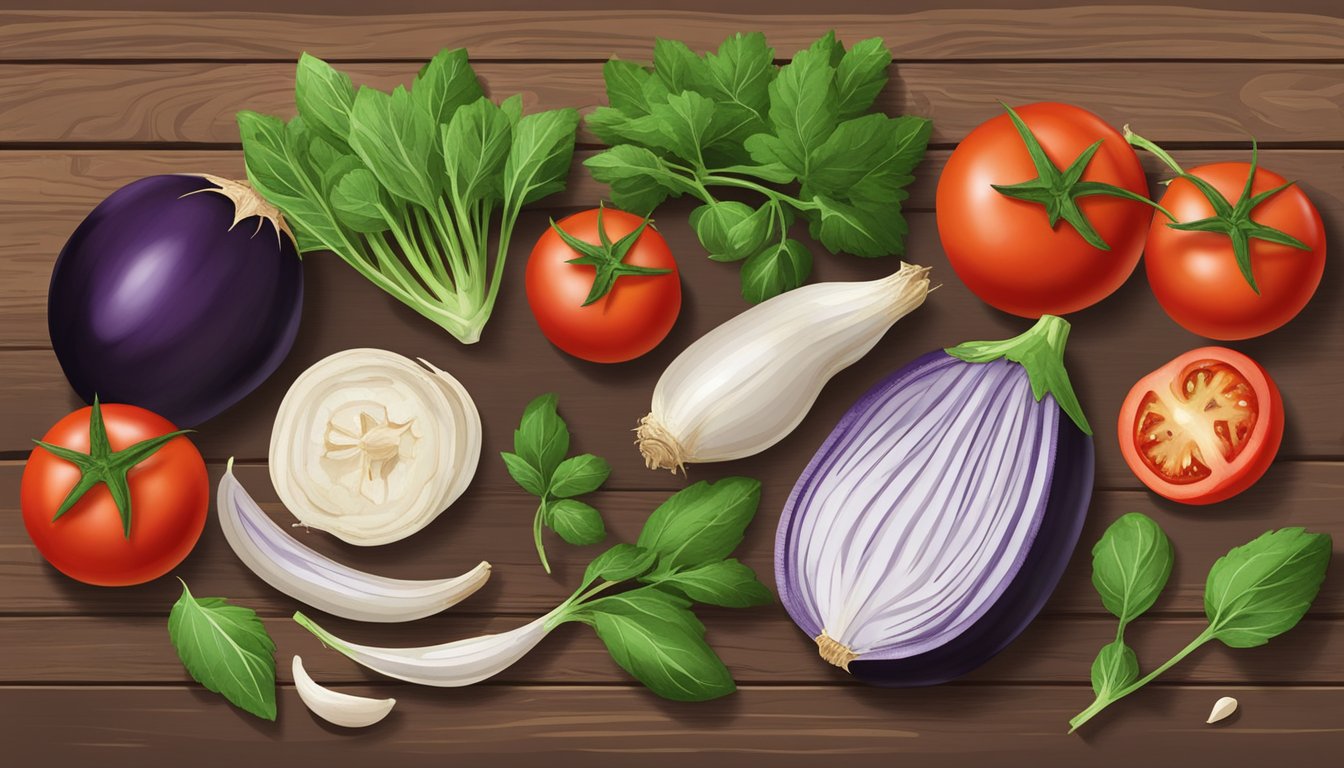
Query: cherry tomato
(1195, 274)
(169, 499)
(632, 317)
(1005, 249)
(1202, 428)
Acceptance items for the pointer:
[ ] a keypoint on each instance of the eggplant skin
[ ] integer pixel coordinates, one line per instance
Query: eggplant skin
(157, 302)
(1017, 607)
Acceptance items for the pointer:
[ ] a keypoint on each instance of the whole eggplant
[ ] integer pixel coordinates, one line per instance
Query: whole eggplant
(178, 293)
(936, 519)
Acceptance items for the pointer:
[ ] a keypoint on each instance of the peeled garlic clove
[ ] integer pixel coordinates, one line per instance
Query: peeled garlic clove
(335, 707)
(1222, 709)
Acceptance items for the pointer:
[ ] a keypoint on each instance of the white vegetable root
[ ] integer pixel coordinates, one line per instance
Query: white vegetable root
(335, 707)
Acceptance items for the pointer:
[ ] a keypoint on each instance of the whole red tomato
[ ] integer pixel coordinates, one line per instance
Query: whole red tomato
(168, 501)
(619, 302)
(1005, 248)
(1202, 428)
(1195, 275)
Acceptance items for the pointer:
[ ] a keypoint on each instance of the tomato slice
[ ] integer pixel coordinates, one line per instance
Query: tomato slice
(1202, 428)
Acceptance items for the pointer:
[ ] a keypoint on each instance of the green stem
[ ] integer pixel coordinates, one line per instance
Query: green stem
(1100, 704)
(390, 265)
(1135, 140)
(536, 535)
(434, 247)
(729, 181)
(444, 223)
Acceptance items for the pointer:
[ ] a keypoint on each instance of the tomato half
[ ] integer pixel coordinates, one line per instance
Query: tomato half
(631, 318)
(1195, 277)
(1004, 249)
(1202, 428)
(169, 499)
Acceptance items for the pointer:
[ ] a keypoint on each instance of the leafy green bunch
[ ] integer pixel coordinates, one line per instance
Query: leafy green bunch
(733, 121)
(1254, 593)
(404, 185)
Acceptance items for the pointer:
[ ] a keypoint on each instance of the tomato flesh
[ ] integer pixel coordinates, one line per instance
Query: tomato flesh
(1202, 428)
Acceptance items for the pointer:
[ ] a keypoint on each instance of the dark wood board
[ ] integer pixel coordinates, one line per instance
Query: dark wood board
(94, 94)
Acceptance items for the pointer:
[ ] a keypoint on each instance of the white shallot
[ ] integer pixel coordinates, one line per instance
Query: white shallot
(335, 707)
(747, 384)
(294, 569)
(371, 447)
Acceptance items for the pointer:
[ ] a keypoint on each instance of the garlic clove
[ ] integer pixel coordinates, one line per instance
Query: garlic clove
(335, 707)
(1222, 709)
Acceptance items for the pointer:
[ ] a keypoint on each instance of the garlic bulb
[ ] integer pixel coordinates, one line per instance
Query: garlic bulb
(747, 384)
(335, 707)
(371, 447)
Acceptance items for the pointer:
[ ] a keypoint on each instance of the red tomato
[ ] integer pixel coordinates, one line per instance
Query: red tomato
(1195, 275)
(169, 494)
(1004, 249)
(631, 319)
(1202, 428)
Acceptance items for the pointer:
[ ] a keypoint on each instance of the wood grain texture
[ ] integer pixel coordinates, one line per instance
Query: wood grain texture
(611, 726)
(1087, 32)
(493, 525)
(196, 102)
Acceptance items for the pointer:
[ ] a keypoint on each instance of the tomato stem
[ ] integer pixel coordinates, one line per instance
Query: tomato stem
(606, 258)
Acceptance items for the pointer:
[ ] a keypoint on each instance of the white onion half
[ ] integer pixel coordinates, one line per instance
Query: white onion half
(370, 447)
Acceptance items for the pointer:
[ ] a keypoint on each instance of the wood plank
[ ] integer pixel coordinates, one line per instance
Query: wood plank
(493, 525)
(605, 726)
(1092, 32)
(196, 102)
(763, 647)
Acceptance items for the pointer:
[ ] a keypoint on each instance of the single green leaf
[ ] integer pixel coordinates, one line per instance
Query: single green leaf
(542, 438)
(276, 169)
(639, 180)
(729, 230)
(702, 523)
(870, 159)
(625, 87)
(577, 523)
(774, 172)
(684, 121)
(655, 637)
(578, 475)
(226, 649)
(445, 84)
(512, 108)
(803, 111)
(775, 270)
(860, 76)
(395, 137)
(678, 67)
(1115, 667)
(357, 197)
(1261, 589)
(476, 143)
(863, 229)
(739, 78)
(538, 161)
(524, 473)
(728, 583)
(828, 49)
(324, 98)
(623, 561)
(1131, 563)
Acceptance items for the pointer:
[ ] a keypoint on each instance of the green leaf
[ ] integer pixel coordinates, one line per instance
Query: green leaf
(775, 270)
(226, 649)
(702, 523)
(639, 180)
(861, 229)
(1115, 667)
(774, 172)
(524, 473)
(621, 562)
(684, 122)
(1261, 589)
(828, 49)
(445, 84)
(542, 439)
(1131, 563)
(625, 87)
(578, 475)
(870, 158)
(678, 67)
(324, 98)
(655, 637)
(538, 161)
(512, 108)
(729, 230)
(860, 76)
(395, 137)
(475, 146)
(576, 522)
(741, 71)
(357, 197)
(803, 111)
(728, 583)
(276, 169)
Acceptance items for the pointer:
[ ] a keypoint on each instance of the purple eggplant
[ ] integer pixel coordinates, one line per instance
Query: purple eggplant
(179, 294)
(936, 519)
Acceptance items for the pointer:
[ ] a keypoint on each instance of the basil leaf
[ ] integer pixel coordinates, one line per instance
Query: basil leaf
(803, 109)
(621, 562)
(395, 137)
(324, 98)
(775, 270)
(702, 523)
(578, 475)
(539, 158)
(275, 167)
(860, 76)
(639, 180)
(655, 637)
(445, 84)
(475, 145)
(577, 523)
(728, 583)
(542, 439)
(1131, 563)
(1262, 589)
(523, 473)
(226, 649)
(1115, 667)
(678, 66)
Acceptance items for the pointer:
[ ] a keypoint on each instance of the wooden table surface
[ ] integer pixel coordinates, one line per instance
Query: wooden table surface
(92, 97)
